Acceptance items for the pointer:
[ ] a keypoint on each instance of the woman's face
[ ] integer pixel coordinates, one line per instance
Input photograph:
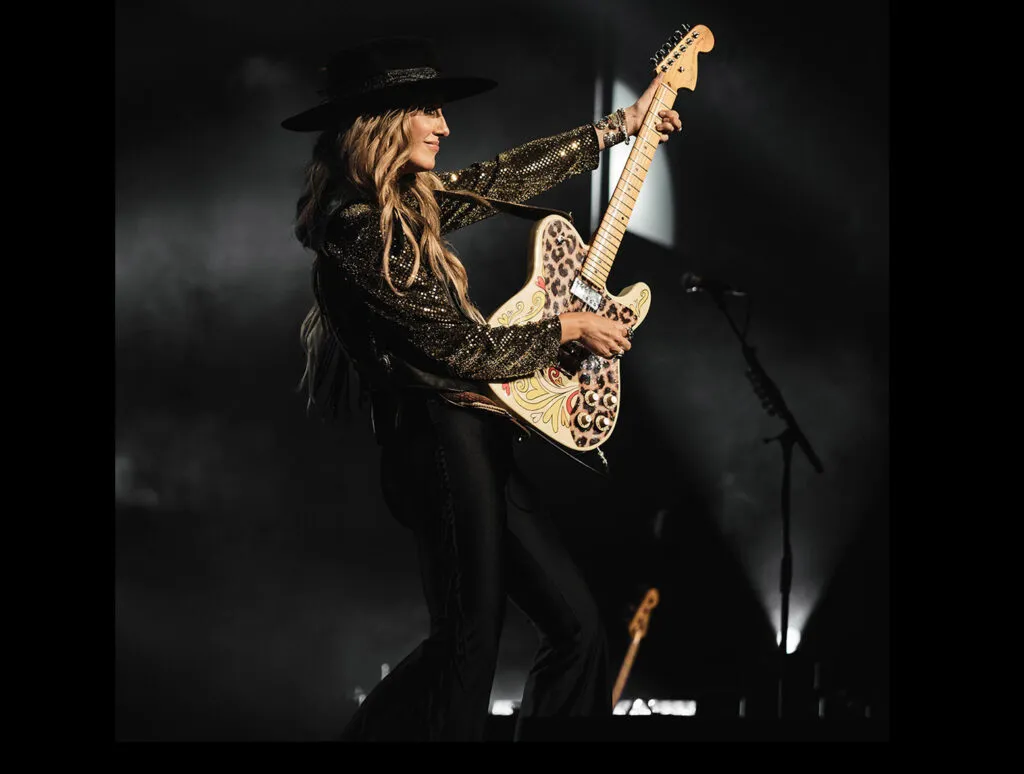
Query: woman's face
(426, 128)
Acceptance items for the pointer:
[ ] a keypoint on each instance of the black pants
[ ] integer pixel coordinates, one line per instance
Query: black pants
(446, 476)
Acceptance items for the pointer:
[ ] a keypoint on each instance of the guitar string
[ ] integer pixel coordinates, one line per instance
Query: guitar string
(602, 263)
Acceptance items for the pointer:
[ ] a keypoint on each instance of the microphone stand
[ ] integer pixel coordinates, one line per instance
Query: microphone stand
(775, 405)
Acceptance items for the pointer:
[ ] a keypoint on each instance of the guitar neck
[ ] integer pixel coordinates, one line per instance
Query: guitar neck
(605, 243)
(627, 664)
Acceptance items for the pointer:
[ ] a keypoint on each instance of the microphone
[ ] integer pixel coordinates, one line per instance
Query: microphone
(692, 283)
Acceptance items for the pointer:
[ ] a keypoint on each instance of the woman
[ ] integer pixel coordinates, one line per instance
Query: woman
(391, 300)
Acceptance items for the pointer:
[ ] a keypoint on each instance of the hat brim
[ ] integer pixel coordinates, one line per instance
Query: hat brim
(401, 95)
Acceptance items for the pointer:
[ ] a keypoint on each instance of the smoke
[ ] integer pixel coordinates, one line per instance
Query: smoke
(127, 489)
(179, 263)
(259, 73)
(201, 463)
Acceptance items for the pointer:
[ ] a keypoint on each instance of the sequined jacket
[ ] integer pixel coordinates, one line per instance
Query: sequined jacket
(423, 327)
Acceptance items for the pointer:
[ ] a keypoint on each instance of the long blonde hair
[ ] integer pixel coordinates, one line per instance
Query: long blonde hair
(363, 161)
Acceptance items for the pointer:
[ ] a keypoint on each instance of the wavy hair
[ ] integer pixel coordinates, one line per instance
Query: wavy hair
(364, 160)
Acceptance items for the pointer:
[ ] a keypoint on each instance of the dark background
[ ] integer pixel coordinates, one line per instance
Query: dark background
(258, 578)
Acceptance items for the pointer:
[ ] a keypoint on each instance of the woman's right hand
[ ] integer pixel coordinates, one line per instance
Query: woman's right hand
(605, 338)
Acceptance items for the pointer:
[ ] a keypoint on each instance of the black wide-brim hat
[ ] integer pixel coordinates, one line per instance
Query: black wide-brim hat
(379, 75)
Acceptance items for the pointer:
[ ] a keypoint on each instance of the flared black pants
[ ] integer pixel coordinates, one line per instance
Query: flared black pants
(447, 476)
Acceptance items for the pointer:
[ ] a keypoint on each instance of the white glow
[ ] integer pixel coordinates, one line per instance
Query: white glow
(502, 707)
(653, 216)
(384, 669)
(639, 708)
(792, 639)
(673, 707)
(622, 707)
(686, 707)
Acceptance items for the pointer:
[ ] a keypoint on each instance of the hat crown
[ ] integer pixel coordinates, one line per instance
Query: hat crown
(382, 74)
(360, 68)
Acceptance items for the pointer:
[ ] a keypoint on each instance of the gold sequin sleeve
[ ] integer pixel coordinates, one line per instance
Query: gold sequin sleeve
(519, 174)
(424, 316)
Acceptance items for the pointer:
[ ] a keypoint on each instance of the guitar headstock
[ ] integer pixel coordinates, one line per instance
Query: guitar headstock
(677, 59)
(638, 626)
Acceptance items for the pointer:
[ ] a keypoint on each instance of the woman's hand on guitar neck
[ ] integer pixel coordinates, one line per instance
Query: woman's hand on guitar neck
(605, 338)
(635, 114)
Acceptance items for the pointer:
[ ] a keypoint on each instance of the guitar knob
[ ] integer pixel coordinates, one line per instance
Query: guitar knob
(584, 421)
(610, 401)
(590, 398)
(603, 422)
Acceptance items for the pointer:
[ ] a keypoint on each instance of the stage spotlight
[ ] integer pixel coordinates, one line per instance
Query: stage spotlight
(655, 707)
(639, 708)
(503, 707)
(686, 707)
(792, 641)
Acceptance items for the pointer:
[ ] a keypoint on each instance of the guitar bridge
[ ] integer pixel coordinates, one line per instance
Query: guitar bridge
(588, 295)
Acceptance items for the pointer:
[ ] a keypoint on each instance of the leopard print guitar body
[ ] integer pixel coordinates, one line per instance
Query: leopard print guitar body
(577, 403)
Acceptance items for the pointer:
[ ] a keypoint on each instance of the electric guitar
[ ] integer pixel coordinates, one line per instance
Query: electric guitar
(638, 630)
(577, 403)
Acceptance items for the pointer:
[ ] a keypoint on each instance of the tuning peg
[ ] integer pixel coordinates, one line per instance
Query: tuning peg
(685, 26)
(677, 37)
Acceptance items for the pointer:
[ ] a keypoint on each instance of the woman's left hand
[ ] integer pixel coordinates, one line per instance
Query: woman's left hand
(669, 119)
